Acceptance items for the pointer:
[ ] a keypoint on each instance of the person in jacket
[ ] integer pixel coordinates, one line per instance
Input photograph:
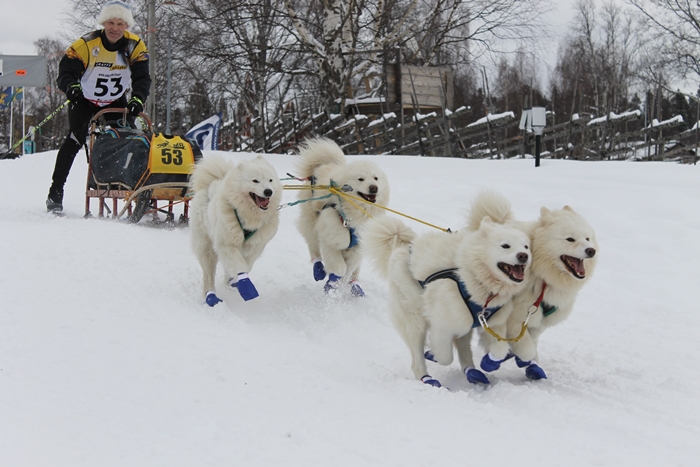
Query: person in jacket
(96, 72)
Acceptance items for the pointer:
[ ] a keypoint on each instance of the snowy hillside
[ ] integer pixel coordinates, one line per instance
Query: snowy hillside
(109, 358)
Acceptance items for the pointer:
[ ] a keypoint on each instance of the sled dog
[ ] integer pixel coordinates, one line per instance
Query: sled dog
(234, 215)
(440, 282)
(564, 256)
(331, 225)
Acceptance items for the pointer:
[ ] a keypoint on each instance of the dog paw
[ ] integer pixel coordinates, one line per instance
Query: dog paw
(319, 271)
(475, 376)
(245, 287)
(356, 290)
(430, 381)
(535, 372)
(489, 364)
(212, 299)
(332, 283)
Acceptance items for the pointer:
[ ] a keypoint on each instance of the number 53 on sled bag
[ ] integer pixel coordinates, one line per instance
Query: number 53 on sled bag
(138, 166)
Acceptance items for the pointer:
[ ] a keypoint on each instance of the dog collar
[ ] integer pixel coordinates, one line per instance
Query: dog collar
(474, 308)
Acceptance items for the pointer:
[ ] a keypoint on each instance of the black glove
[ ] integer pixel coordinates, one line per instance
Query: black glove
(75, 92)
(135, 105)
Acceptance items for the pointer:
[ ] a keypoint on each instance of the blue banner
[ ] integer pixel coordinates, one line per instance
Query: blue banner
(206, 133)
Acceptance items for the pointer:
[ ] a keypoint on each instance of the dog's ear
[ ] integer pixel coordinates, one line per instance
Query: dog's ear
(486, 224)
(568, 208)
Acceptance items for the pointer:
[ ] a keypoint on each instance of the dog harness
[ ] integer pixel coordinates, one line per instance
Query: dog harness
(354, 238)
(547, 309)
(246, 233)
(474, 308)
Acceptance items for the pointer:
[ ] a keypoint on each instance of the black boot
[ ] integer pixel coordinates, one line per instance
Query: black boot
(54, 203)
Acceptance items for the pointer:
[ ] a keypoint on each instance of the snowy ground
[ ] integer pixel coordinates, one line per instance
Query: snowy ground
(108, 357)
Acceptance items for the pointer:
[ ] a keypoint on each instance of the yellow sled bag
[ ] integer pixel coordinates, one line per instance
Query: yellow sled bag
(170, 154)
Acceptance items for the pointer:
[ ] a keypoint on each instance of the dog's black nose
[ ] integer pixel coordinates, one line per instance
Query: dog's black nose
(267, 192)
(590, 252)
(522, 257)
(373, 189)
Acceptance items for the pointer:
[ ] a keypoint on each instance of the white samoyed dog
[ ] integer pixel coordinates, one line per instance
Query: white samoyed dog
(234, 215)
(439, 284)
(564, 256)
(332, 225)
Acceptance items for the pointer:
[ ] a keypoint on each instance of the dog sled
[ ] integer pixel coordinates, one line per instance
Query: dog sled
(137, 171)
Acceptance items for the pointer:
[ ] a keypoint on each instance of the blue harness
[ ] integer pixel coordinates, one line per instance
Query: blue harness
(474, 308)
(354, 238)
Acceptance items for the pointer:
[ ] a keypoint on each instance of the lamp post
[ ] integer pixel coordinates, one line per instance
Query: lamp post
(170, 67)
(151, 44)
(534, 119)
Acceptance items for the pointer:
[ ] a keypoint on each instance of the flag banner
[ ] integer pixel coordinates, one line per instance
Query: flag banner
(5, 97)
(206, 134)
(19, 93)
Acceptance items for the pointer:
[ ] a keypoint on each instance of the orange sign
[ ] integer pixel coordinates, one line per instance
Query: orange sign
(21, 72)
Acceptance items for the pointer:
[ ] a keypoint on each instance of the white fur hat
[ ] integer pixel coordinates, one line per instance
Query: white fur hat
(116, 9)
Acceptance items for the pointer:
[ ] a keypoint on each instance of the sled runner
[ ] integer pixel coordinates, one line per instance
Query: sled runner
(148, 172)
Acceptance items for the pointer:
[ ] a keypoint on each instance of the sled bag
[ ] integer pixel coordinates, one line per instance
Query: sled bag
(172, 159)
(120, 161)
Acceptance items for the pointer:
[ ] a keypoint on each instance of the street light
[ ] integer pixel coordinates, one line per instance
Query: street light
(170, 66)
(534, 118)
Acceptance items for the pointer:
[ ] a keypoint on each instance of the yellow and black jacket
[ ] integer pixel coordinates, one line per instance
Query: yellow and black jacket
(105, 71)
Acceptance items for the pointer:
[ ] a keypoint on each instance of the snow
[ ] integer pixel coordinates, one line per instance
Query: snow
(109, 357)
(492, 118)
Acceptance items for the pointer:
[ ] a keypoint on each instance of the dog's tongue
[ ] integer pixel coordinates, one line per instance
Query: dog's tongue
(263, 202)
(518, 271)
(577, 265)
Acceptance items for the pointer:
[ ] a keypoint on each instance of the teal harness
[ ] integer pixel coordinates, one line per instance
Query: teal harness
(474, 308)
(246, 233)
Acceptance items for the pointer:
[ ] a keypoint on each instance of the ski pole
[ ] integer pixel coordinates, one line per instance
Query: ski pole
(29, 133)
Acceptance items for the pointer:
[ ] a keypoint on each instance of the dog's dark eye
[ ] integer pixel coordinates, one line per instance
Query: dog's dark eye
(588, 239)
(570, 240)
(376, 178)
(505, 246)
(255, 181)
(270, 180)
(361, 179)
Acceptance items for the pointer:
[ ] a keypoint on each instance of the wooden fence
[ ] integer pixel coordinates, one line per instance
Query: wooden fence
(614, 137)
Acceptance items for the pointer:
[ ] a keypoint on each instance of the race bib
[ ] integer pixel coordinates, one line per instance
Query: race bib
(170, 155)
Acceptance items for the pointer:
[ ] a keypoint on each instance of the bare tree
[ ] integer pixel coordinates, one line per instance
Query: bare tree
(596, 62)
(348, 38)
(50, 97)
(675, 27)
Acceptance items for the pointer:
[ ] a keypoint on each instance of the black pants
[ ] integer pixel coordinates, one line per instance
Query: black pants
(79, 115)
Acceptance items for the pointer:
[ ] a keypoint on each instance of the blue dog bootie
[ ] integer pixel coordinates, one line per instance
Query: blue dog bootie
(212, 299)
(430, 381)
(532, 370)
(356, 290)
(429, 356)
(332, 283)
(475, 376)
(245, 287)
(489, 364)
(319, 270)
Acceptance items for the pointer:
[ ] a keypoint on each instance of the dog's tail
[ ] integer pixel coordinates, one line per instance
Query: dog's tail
(207, 171)
(492, 204)
(316, 152)
(381, 237)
